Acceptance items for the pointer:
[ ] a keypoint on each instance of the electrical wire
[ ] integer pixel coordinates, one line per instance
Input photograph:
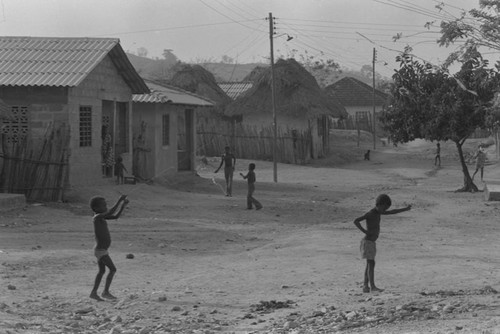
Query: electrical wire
(226, 16)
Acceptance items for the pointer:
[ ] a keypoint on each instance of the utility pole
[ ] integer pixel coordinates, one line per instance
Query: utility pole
(273, 100)
(374, 118)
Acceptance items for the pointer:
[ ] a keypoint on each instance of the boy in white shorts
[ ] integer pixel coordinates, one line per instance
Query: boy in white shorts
(368, 246)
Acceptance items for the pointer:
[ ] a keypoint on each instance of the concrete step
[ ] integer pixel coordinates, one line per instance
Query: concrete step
(12, 201)
(492, 192)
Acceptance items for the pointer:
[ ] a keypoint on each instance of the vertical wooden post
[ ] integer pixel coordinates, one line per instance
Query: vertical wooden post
(273, 99)
(374, 117)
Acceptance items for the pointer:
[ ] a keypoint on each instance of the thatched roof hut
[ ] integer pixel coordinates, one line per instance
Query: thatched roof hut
(196, 79)
(255, 74)
(296, 90)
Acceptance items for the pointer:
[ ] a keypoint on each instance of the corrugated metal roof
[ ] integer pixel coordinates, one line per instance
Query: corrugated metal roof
(235, 89)
(61, 61)
(161, 93)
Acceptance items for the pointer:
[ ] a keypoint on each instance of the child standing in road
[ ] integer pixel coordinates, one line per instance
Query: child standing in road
(103, 241)
(251, 188)
(229, 161)
(119, 170)
(480, 160)
(372, 230)
(437, 159)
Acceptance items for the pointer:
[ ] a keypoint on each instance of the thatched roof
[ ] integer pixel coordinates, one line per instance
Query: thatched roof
(255, 74)
(196, 79)
(297, 94)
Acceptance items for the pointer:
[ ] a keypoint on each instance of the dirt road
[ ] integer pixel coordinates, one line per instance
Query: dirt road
(204, 264)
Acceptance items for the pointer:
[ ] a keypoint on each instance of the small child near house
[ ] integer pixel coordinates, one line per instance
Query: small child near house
(229, 161)
(251, 201)
(103, 241)
(372, 230)
(119, 170)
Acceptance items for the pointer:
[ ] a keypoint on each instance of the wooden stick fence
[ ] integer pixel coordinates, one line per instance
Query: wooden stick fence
(252, 142)
(37, 169)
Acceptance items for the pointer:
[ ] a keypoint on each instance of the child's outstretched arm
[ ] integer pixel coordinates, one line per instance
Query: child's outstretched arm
(112, 213)
(392, 212)
(243, 176)
(358, 221)
(221, 163)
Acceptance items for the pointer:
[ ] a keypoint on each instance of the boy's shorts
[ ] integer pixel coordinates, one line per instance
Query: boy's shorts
(368, 249)
(100, 253)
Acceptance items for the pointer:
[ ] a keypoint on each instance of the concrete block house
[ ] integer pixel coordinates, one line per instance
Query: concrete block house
(84, 83)
(357, 99)
(164, 131)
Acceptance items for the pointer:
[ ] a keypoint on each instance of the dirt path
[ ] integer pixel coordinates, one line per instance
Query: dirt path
(204, 264)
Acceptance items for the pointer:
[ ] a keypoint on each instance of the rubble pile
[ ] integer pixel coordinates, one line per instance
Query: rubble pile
(131, 315)
(426, 306)
(269, 306)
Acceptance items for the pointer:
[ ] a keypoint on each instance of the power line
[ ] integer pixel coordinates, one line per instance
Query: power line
(170, 28)
(226, 16)
(402, 6)
(351, 22)
(255, 14)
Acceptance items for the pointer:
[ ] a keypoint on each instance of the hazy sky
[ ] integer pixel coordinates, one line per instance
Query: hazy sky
(343, 30)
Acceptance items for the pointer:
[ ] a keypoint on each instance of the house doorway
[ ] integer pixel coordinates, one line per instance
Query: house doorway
(185, 140)
(107, 139)
(114, 134)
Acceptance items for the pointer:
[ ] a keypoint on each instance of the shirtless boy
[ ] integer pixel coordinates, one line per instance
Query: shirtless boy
(229, 161)
(372, 231)
(103, 241)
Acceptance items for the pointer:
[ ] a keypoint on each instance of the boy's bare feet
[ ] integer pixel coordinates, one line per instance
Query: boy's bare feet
(94, 295)
(375, 289)
(366, 289)
(107, 295)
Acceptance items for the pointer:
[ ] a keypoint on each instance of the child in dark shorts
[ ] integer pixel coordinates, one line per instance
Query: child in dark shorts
(251, 201)
(368, 246)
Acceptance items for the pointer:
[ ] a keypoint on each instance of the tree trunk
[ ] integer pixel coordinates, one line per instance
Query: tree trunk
(468, 183)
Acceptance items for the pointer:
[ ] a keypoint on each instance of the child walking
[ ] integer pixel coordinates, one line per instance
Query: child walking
(437, 158)
(103, 241)
(372, 231)
(251, 188)
(480, 160)
(229, 161)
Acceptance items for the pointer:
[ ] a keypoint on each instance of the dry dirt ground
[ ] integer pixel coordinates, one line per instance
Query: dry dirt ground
(204, 264)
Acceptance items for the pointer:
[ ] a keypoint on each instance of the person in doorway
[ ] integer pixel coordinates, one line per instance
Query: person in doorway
(251, 201)
(103, 241)
(107, 152)
(120, 170)
(480, 160)
(229, 161)
(372, 230)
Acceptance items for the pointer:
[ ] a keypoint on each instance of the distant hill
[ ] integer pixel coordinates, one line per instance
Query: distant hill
(156, 68)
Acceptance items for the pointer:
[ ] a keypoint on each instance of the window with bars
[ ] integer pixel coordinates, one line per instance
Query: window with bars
(85, 126)
(165, 130)
(16, 127)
